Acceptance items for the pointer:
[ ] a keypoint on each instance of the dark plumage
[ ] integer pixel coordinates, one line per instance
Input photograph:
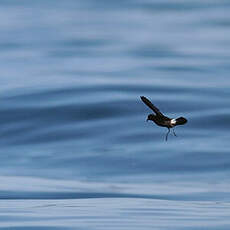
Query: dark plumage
(161, 120)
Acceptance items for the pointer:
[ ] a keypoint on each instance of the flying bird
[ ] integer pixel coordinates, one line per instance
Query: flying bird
(161, 120)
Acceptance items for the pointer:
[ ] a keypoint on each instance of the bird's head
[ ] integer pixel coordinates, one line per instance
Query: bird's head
(150, 117)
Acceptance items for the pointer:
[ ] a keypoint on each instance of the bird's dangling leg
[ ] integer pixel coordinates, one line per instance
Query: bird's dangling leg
(166, 137)
(174, 133)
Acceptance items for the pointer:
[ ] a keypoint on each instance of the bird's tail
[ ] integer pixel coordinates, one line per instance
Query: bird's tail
(181, 121)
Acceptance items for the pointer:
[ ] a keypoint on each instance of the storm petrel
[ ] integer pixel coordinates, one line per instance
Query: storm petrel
(161, 120)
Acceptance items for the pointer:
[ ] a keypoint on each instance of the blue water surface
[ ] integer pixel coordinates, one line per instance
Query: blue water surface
(75, 150)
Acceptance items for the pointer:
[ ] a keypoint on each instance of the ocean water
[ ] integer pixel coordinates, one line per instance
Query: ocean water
(75, 150)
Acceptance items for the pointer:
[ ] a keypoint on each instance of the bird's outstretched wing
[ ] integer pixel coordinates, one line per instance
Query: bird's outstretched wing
(151, 106)
(181, 121)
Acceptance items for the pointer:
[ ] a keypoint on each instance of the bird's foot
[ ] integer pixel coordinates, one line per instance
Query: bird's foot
(174, 133)
(166, 137)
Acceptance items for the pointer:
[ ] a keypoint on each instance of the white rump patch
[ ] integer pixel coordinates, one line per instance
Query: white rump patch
(173, 121)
